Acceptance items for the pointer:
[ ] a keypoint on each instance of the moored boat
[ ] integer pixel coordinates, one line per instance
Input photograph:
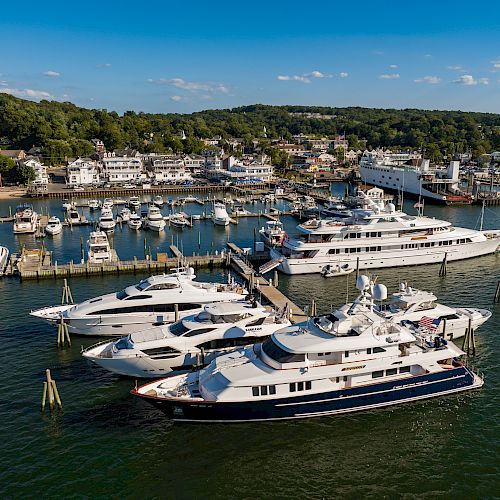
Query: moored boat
(53, 226)
(25, 220)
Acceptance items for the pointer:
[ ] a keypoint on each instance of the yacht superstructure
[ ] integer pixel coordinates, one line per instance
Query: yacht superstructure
(194, 340)
(154, 301)
(98, 248)
(25, 220)
(220, 217)
(380, 237)
(155, 220)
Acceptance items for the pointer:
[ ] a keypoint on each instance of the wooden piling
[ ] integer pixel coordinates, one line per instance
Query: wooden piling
(44, 395)
(275, 280)
(444, 265)
(176, 312)
(496, 298)
(50, 389)
(357, 268)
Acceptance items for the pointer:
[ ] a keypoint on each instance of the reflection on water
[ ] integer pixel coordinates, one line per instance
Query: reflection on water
(105, 442)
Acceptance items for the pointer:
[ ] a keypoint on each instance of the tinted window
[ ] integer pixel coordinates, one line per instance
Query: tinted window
(280, 355)
(378, 349)
(378, 374)
(255, 391)
(404, 369)
(199, 331)
(391, 371)
(232, 342)
(178, 328)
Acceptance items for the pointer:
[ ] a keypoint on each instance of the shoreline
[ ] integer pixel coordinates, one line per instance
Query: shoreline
(8, 192)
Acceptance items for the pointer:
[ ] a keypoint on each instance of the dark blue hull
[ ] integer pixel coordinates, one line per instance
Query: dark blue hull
(312, 405)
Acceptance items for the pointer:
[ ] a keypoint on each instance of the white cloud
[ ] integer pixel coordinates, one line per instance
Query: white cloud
(344, 74)
(27, 93)
(455, 68)
(469, 80)
(389, 76)
(393, 66)
(3, 83)
(433, 80)
(428, 56)
(496, 64)
(176, 98)
(51, 73)
(378, 52)
(192, 86)
(104, 65)
(294, 78)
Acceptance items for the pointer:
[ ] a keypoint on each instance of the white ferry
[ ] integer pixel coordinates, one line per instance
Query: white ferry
(311, 370)
(195, 340)
(379, 237)
(409, 173)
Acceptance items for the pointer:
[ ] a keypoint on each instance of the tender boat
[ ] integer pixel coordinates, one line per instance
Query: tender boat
(134, 203)
(158, 201)
(154, 219)
(313, 370)
(149, 303)
(179, 220)
(273, 233)
(25, 220)
(125, 214)
(107, 222)
(53, 226)
(94, 204)
(329, 271)
(194, 340)
(408, 306)
(220, 217)
(4, 258)
(134, 221)
(98, 248)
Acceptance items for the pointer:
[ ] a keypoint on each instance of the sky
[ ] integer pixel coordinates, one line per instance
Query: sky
(180, 57)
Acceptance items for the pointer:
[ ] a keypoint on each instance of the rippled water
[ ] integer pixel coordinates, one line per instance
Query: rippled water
(106, 443)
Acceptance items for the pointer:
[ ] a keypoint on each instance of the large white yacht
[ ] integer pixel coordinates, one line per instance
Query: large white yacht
(151, 302)
(194, 340)
(310, 370)
(379, 237)
(409, 173)
(25, 220)
(155, 220)
(408, 306)
(107, 221)
(53, 226)
(134, 221)
(98, 248)
(220, 217)
(272, 233)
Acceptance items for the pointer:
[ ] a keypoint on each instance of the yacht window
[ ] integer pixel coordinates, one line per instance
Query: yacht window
(391, 371)
(178, 328)
(121, 295)
(164, 286)
(300, 386)
(404, 369)
(272, 389)
(424, 306)
(199, 331)
(308, 386)
(292, 387)
(157, 351)
(378, 374)
(346, 354)
(280, 355)
(139, 297)
(378, 349)
(124, 343)
(369, 350)
(257, 322)
(263, 390)
(255, 391)
(142, 285)
(230, 342)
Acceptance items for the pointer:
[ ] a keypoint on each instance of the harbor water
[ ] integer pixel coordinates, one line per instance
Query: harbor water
(106, 443)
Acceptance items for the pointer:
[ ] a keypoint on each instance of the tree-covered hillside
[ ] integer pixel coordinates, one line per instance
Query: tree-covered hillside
(64, 129)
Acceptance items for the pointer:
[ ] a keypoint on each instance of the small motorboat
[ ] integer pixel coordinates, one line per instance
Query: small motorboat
(220, 216)
(73, 218)
(155, 220)
(107, 222)
(108, 203)
(53, 226)
(196, 217)
(158, 201)
(125, 214)
(134, 221)
(94, 204)
(179, 221)
(331, 270)
(67, 205)
(134, 203)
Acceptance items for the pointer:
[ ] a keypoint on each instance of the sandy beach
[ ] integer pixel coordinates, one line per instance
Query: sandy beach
(12, 192)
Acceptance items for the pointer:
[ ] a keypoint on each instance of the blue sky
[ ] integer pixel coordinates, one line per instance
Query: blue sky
(187, 56)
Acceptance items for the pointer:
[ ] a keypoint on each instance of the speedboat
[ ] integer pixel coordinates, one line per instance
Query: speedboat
(179, 221)
(108, 203)
(158, 201)
(4, 258)
(53, 226)
(408, 306)
(125, 214)
(25, 220)
(194, 340)
(154, 220)
(220, 216)
(273, 233)
(98, 248)
(134, 221)
(73, 217)
(107, 222)
(152, 302)
(134, 203)
(329, 271)
(67, 205)
(336, 208)
(313, 370)
(94, 204)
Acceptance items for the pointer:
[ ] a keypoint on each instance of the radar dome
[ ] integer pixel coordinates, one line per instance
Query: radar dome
(379, 292)
(390, 208)
(362, 282)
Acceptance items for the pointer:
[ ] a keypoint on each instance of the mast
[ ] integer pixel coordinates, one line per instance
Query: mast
(482, 217)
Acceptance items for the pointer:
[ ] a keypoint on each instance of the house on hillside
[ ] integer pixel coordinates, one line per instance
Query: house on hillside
(82, 172)
(14, 154)
(118, 168)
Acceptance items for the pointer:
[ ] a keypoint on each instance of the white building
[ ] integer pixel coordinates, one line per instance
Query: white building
(258, 172)
(121, 168)
(168, 169)
(82, 171)
(213, 167)
(194, 163)
(42, 178)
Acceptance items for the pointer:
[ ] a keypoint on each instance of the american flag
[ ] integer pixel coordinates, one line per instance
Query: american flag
(429, 323)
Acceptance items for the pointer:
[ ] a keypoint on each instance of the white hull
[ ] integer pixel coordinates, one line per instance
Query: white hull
(107, 226)
(156, 225)
(52, 230)
(134, 225)
(388, 258)
(221, 222)
(24, 228)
